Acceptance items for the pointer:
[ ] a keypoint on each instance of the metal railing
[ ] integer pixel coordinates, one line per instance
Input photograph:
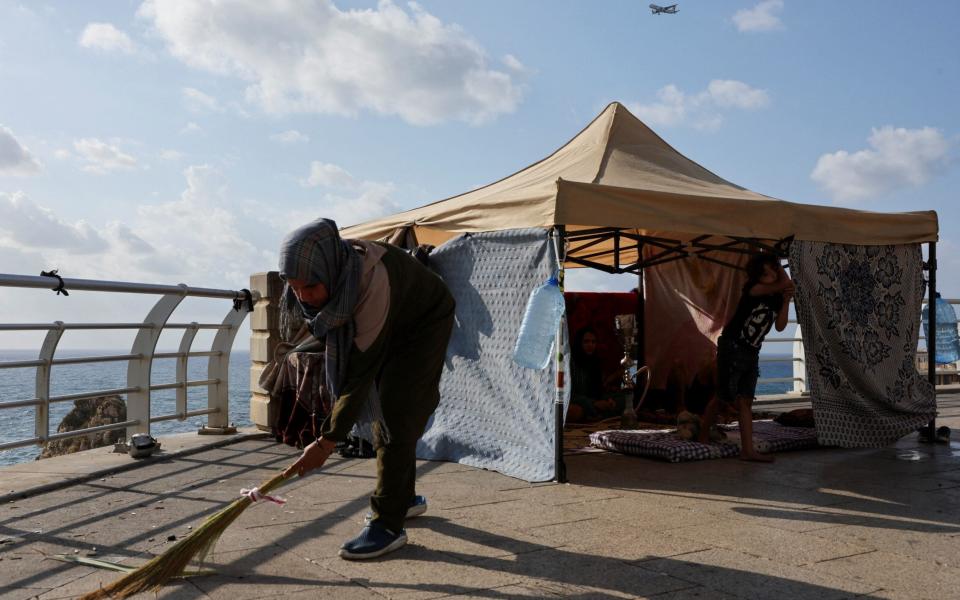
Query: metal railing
(139, 359)
(799, 378)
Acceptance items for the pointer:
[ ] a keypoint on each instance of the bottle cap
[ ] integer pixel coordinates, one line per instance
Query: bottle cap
(553, 281)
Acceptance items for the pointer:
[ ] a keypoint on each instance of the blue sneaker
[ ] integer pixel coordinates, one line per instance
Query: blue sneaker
(374, 540)
(418, 506)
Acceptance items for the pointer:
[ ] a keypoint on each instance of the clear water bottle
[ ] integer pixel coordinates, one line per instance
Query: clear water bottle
(539, 328)
(948, 344)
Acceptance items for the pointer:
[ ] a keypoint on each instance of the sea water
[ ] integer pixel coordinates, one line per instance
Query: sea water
(19, 384)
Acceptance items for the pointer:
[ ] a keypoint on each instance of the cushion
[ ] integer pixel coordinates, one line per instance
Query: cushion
(665, 445)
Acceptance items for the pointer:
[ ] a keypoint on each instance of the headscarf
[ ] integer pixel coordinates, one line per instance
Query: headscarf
(313, 254)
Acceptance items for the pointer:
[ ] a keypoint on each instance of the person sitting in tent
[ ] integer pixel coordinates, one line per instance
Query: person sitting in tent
(386, 319)
(590, 397)
(764, 302)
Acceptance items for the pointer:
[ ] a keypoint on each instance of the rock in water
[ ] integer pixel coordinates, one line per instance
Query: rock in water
(89, 412)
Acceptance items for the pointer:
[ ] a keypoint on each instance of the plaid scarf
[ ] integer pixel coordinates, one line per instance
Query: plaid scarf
(314, 254)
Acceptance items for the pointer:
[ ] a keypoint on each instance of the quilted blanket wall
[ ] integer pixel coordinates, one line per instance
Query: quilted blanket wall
(493, 413)
(859, 312)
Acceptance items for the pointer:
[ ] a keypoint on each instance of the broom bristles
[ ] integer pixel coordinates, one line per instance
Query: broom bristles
(174, 561)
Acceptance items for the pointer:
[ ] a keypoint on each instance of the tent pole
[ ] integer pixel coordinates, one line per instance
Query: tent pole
(932, 329)
(641, 353)
(560, 469)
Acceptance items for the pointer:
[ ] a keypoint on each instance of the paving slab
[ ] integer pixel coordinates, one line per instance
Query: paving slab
(472, 543)
(614, 539)
(898, 575)
(54, 473)
(921, 545)
(244, 575)
(420, 572)
(565, 566)
(752, 577)
(787, 547)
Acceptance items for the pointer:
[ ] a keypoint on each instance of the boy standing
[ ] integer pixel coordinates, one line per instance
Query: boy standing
(765, 302)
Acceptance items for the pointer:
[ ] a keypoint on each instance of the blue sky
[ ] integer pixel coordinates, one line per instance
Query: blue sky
(178, 141)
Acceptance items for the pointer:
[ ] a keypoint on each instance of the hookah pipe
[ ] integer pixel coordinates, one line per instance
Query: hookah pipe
(629, 418)
(625, 325)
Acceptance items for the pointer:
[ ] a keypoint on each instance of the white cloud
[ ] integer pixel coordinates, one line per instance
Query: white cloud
(728, 93)
(171, 155)
(197, 101)
(291, 136)
(370, 200)
(24, 224)
(316, 58)
(328, 175)
(346, 199)
(897, 158)
(513, 63)
(189, 128)
(126, 239)
(702, 110)
(106, 37)
(15, 159)
(205, 237)
(199, 237)
(762, 17)
(102, 158)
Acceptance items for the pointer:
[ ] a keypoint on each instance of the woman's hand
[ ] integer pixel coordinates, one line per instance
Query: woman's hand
(312, 458)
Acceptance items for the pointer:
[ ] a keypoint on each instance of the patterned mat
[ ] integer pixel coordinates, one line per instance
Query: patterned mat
(768, 436)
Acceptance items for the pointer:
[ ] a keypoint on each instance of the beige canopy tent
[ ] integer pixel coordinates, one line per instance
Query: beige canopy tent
(618, 175)
(622, 200)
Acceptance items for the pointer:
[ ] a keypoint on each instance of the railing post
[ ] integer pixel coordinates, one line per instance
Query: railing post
(138, 371)
(49, 348)
(264, 337)
(183, 363)
(799, 366)
(218, 369)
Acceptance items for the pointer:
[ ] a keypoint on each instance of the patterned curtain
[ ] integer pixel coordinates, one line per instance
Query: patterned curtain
(859, 310)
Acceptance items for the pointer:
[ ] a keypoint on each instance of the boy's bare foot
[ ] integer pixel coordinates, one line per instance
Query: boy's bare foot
(756, 457)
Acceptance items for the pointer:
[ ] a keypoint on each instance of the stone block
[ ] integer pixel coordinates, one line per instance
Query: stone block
(256, 368)
(262, 346)
(262, 412)
(268, 284)
(265, 317)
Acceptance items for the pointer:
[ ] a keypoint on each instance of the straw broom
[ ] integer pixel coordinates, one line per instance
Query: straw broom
(174, 561)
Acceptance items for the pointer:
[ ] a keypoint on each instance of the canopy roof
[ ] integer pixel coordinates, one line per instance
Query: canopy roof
(617, 174)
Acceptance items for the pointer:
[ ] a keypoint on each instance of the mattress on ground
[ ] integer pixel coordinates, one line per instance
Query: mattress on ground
(665, 445)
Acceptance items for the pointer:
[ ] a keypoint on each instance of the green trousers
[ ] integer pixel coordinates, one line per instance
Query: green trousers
(409, 390)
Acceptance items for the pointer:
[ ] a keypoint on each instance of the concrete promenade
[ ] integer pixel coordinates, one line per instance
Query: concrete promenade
(817, 524)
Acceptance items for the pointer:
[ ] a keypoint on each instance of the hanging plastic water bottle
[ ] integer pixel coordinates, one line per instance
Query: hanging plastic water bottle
(948, 344)
(539, 328)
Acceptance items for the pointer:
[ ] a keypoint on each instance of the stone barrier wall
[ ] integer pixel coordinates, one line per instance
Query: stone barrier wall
(264, 337)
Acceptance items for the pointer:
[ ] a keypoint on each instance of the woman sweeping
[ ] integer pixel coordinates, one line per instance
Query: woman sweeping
(386, 319)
